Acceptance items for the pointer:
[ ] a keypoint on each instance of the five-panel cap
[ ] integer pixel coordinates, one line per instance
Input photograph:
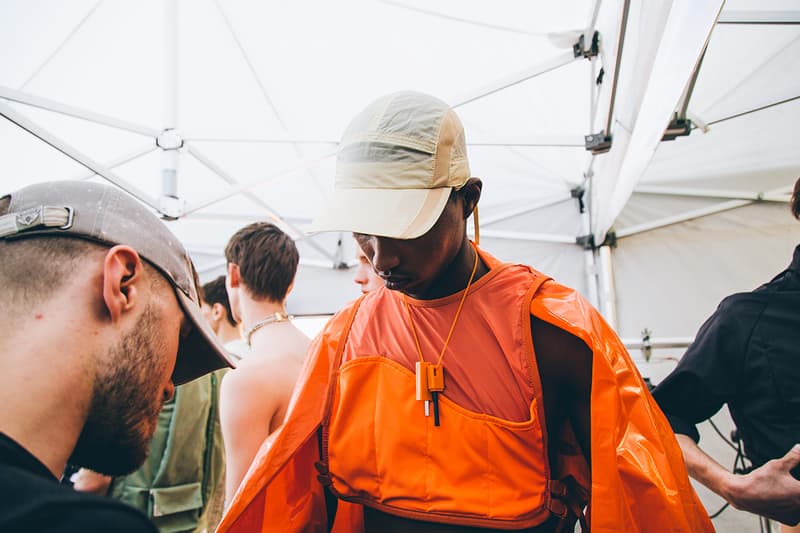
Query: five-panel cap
(107, 215)
(397, 162)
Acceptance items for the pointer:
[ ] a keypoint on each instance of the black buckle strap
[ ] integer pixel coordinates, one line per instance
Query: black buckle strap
(324, 477)
(565, 503)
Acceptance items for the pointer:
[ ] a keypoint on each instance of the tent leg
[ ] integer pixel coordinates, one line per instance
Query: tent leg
(169, 155)
(608, 302)
(591, 278)
(589, 267)
(73, 153)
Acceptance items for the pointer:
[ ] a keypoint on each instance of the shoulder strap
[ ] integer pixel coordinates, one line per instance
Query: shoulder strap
(331, 501)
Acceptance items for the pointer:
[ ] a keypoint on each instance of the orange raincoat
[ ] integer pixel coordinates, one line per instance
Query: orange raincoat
(638, 481)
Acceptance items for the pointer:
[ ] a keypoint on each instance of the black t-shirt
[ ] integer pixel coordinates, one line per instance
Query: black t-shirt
(32, 501)
(746, 355)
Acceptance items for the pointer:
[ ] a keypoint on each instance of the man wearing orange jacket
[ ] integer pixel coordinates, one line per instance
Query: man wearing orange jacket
(465, 393)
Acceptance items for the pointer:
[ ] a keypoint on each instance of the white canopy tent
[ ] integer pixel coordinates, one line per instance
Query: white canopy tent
(221, 113)
(217, 113)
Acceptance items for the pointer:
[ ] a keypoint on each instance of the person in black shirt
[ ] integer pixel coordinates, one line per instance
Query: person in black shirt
(100, 322)
(33, 501)
(746, 355)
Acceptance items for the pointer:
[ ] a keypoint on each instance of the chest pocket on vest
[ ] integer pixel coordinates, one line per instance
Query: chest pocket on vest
(474, 469)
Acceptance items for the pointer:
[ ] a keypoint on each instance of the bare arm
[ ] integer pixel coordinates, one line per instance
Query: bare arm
(565, 370)
(246, 410)
(769, 490)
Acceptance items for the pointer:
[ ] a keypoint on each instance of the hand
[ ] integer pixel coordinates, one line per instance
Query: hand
(769, 490)
(85, 480)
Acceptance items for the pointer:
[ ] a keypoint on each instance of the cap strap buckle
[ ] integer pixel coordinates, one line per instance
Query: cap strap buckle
(36, 217)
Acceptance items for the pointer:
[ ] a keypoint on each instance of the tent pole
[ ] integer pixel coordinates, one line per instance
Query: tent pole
(514, 79)
(591, 278)
(504, 215)
(558, 141)
(606, 277)
(527, 236)
(589, 267)
(76, 112)
(316, 263)
(593, 92)
(779, 17)
(623, 27)
(118, 162)
(73, 153)
(682, 217)
(780, 194)
(729, 194)
(169, 154)
(244, 189)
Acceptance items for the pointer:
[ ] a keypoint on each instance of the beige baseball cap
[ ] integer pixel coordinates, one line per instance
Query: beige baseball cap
(398, 160)
(107, 215)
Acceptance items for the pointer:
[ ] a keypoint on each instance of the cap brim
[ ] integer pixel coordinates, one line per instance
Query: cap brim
(395, 213)
(200, 352)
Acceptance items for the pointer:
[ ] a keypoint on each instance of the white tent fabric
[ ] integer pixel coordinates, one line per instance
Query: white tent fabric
(707, 216)
(217, 113)
(666, 47)
(258, 94)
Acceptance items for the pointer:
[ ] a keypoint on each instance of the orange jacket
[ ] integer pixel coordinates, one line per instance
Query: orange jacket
(639, 481)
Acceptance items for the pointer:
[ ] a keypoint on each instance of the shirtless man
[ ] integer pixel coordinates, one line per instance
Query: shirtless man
(217, 310)
(262, 263)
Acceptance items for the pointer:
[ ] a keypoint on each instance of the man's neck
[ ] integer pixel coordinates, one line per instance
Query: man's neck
(228, 333)
(254, 311)
(456, 275)
(46, 388)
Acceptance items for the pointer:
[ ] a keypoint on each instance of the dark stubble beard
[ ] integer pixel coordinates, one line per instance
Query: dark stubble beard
(127, 399)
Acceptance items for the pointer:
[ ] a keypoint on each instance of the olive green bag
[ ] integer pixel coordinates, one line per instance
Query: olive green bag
(179, 486)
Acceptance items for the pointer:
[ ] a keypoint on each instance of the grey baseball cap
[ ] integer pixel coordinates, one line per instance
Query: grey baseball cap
(108, 215)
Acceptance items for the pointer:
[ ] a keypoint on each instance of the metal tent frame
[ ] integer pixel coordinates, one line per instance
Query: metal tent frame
(598, 254)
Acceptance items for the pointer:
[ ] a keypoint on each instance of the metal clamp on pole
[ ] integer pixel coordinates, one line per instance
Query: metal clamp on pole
(647, 347)
(585, 241)
(578, 48)
(598, 143)
(577, 193)
(677, 127)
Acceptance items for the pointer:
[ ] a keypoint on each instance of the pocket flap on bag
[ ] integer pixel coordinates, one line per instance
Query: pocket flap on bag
(176, 499)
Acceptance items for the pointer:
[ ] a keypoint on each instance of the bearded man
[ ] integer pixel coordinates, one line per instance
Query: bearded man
(101, 320)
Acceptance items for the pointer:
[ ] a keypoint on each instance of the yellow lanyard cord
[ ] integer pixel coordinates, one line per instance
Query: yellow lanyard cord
(476, 226)
(452, 326)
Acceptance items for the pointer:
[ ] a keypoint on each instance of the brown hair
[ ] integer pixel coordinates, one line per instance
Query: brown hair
(795, 203)
(214, 292)
(267, 259)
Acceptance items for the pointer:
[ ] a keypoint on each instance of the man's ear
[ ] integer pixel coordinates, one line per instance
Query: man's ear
(234, 278)
(123, 272)
(217, 311)
(291, 286)
(471, 192)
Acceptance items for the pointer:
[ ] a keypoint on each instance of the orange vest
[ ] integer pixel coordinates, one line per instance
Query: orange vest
(378, 449)
(382, 451)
